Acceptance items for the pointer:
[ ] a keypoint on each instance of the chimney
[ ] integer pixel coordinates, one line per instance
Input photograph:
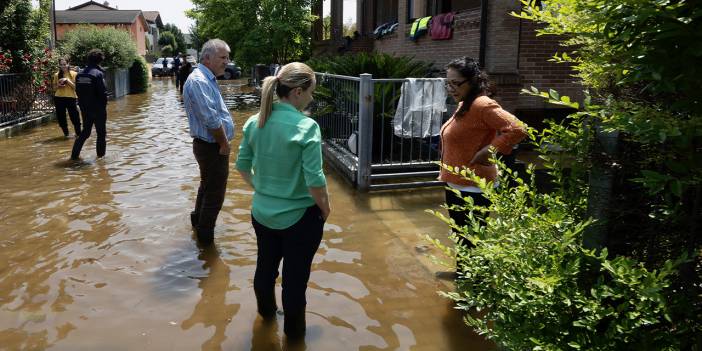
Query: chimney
(106, 3)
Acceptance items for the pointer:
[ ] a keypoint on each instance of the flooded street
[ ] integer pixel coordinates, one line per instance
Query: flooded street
(101, 256)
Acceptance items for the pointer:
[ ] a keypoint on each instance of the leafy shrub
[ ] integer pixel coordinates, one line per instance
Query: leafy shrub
(166, 51)
(539, 289)
(380, 65)
(534, 270)
(138, 76)
(24, 32)
(386, 95)
(116, 44)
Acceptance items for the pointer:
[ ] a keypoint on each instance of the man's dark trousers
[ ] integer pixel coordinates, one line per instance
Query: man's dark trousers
(99, 118)
(214, 171)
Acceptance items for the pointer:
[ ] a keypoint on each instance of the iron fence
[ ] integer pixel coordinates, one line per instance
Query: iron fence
(380, 131)
(19, 100)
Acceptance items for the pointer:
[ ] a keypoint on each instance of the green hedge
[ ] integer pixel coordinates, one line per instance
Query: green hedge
(117, 45)
(138, 76)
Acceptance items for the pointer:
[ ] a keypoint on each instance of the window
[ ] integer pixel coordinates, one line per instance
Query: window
(422, 8)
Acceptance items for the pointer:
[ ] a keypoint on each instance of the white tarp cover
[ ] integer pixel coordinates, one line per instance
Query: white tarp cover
(420, 109)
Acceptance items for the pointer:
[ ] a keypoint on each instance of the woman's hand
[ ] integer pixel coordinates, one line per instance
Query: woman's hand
(483, 156)
(326, 210)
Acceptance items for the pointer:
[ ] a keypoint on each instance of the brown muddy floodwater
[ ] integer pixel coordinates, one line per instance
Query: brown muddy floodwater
(100, 256)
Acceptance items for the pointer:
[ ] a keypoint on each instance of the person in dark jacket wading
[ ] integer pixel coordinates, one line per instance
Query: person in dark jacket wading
(92, 99)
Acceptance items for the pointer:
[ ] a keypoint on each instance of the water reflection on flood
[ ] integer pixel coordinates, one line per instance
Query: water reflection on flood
(100, 255)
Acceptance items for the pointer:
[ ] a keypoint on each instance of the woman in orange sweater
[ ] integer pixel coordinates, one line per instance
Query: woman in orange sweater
(478, 128)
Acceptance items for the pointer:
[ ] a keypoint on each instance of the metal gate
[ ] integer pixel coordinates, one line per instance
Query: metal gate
(366, 141)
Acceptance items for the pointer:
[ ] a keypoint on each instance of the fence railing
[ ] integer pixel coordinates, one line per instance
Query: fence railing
(379, 131)
(19, 100)
(117, 82)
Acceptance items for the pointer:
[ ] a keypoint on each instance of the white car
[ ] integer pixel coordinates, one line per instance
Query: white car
(159, 69)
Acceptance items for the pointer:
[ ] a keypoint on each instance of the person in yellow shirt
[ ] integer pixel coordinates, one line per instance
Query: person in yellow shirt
(65, 97)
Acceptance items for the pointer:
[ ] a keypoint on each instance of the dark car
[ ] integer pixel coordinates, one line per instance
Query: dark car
(231, 72)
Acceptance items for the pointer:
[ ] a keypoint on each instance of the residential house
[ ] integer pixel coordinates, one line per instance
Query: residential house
(153, 18)
(102, 15)
(506, 46)
(189, 43)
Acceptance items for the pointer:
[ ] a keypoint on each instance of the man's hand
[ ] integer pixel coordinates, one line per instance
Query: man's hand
(224, 149)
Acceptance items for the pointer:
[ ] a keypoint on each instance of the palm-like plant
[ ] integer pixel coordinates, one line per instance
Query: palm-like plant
(385, 95)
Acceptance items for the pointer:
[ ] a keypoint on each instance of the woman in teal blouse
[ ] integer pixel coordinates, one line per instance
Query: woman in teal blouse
(280, 156)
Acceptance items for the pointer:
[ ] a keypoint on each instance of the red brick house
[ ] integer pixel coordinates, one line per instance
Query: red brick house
(484, 29)
(102, 15)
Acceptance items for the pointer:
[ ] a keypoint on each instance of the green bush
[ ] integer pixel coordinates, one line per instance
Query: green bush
(539, 289)
(117, 45)
(166, 51)
(138, 76)
(386, 95)
(24, 31)
(547, 275)
(380, 65)
(167, 39)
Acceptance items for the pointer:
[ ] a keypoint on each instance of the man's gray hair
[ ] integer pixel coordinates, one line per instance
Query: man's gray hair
(209, 49)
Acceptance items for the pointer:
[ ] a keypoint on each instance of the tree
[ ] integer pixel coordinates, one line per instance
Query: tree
(24, 30)
(167, 50)
(116, 44)
(178, 34)
(167, 39)
(258, 31)
(196, 40)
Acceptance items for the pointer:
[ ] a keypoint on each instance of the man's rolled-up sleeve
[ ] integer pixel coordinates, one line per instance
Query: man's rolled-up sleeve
(203, 105)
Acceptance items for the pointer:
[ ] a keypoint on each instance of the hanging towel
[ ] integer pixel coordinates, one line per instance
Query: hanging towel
(420, 109)
(420, 26)
(441, 27)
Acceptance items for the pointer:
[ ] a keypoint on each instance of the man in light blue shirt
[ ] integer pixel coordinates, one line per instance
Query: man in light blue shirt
(212, 128)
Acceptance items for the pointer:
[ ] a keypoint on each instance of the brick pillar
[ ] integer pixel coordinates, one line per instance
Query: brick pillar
(502, 50)
(318, 25)
(337, 19)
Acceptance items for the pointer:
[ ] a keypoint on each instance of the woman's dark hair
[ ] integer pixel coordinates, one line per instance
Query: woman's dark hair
(95, 57)
(477, 80)
(60, 71)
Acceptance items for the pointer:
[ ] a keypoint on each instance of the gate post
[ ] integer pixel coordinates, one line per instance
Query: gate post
(365, 131)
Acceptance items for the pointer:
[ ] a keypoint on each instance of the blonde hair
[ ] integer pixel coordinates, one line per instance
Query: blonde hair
(291, 76)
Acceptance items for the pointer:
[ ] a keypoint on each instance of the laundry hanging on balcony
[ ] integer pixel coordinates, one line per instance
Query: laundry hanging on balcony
(385, 29)
(420, 26)
(441, 26)
(421, 108)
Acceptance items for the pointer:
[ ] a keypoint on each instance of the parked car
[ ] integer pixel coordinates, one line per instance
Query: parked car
(159, 69)
(232, 71)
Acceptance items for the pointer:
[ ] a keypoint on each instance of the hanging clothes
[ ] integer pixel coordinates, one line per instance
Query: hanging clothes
(420, 26)
(441, 27)
(421, 108)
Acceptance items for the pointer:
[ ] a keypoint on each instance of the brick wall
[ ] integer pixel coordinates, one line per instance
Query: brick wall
(536, 70)
(515, 57)
(465, 42)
